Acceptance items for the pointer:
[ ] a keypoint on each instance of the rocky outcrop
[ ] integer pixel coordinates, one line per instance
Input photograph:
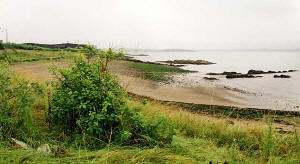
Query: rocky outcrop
(224, 73)
(282, 76)
(251, 74)
(292, 70)
(233, 76)
(195, 62)
(210, 78)
(255, 72)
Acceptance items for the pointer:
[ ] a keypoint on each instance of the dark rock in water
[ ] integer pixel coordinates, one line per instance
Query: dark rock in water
(210, 78)
(231, 73)
(225, 73)
(212, 73)
(282, 76)
(253, 72)
(292, 70)
(256, 71)
(196, 62)
(233, 76)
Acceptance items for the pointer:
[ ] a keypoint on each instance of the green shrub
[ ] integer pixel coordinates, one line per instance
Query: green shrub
(24, 47)
(87, 100)
(71, 49)
(4, 56)
(16, 98)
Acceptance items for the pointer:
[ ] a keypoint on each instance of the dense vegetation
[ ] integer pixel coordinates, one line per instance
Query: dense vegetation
(16, 98)
(87, 100)
(13, 53)
(26, 47)
(86, 117)
(14, 56)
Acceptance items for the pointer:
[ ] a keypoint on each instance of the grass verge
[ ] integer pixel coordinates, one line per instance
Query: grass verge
(18, 55)
(157, 72)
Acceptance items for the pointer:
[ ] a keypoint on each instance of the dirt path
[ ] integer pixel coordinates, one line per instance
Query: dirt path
(38, 71)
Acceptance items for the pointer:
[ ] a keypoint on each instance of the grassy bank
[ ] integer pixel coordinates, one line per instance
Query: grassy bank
(156, 72)
(196, 139)
(19, 55)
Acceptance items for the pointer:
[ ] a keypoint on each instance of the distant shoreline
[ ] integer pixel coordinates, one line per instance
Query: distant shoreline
(199, 50)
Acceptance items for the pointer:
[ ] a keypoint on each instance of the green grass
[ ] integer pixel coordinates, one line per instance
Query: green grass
(14, 56)
(182, 150)
(156, 72)
(197, 140)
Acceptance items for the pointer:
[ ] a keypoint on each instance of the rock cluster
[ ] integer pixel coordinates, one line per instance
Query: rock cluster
(196, 62)
(282, 76)
(251, 74)
(210, 78)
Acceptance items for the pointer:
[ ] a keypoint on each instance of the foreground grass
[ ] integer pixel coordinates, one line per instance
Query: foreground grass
(17, 55)
(182, 150)
(155, 72)
(197, 140)
(253, 141)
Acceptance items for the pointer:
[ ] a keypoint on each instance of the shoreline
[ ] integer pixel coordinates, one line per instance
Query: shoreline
(132, 81)
(231, 111)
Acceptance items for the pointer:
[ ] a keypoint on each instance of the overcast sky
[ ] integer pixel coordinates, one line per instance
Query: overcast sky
(191, 24)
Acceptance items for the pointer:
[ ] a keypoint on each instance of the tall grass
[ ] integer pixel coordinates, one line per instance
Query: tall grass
(255, 141)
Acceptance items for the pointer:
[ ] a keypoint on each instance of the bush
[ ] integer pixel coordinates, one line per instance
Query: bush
(87, 100)
(24, 47)
(16, 98)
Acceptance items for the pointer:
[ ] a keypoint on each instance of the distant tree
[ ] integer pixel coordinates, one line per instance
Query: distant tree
(1, 45)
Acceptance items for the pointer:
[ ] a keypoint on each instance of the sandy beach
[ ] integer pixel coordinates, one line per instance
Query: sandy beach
(132, 81)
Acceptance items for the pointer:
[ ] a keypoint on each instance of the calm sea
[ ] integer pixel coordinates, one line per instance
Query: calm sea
(265, 92)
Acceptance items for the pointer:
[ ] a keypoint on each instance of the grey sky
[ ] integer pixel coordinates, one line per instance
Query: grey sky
(194, 24)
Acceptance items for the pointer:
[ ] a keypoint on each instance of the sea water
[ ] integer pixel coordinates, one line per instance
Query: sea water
(265, 92)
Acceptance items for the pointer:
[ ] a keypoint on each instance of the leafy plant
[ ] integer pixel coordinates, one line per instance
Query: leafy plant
(87, 100)
(16, 98)
(91, 51)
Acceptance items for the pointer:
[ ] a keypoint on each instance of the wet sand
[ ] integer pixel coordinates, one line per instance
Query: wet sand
(131, 81)
(199, 95)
